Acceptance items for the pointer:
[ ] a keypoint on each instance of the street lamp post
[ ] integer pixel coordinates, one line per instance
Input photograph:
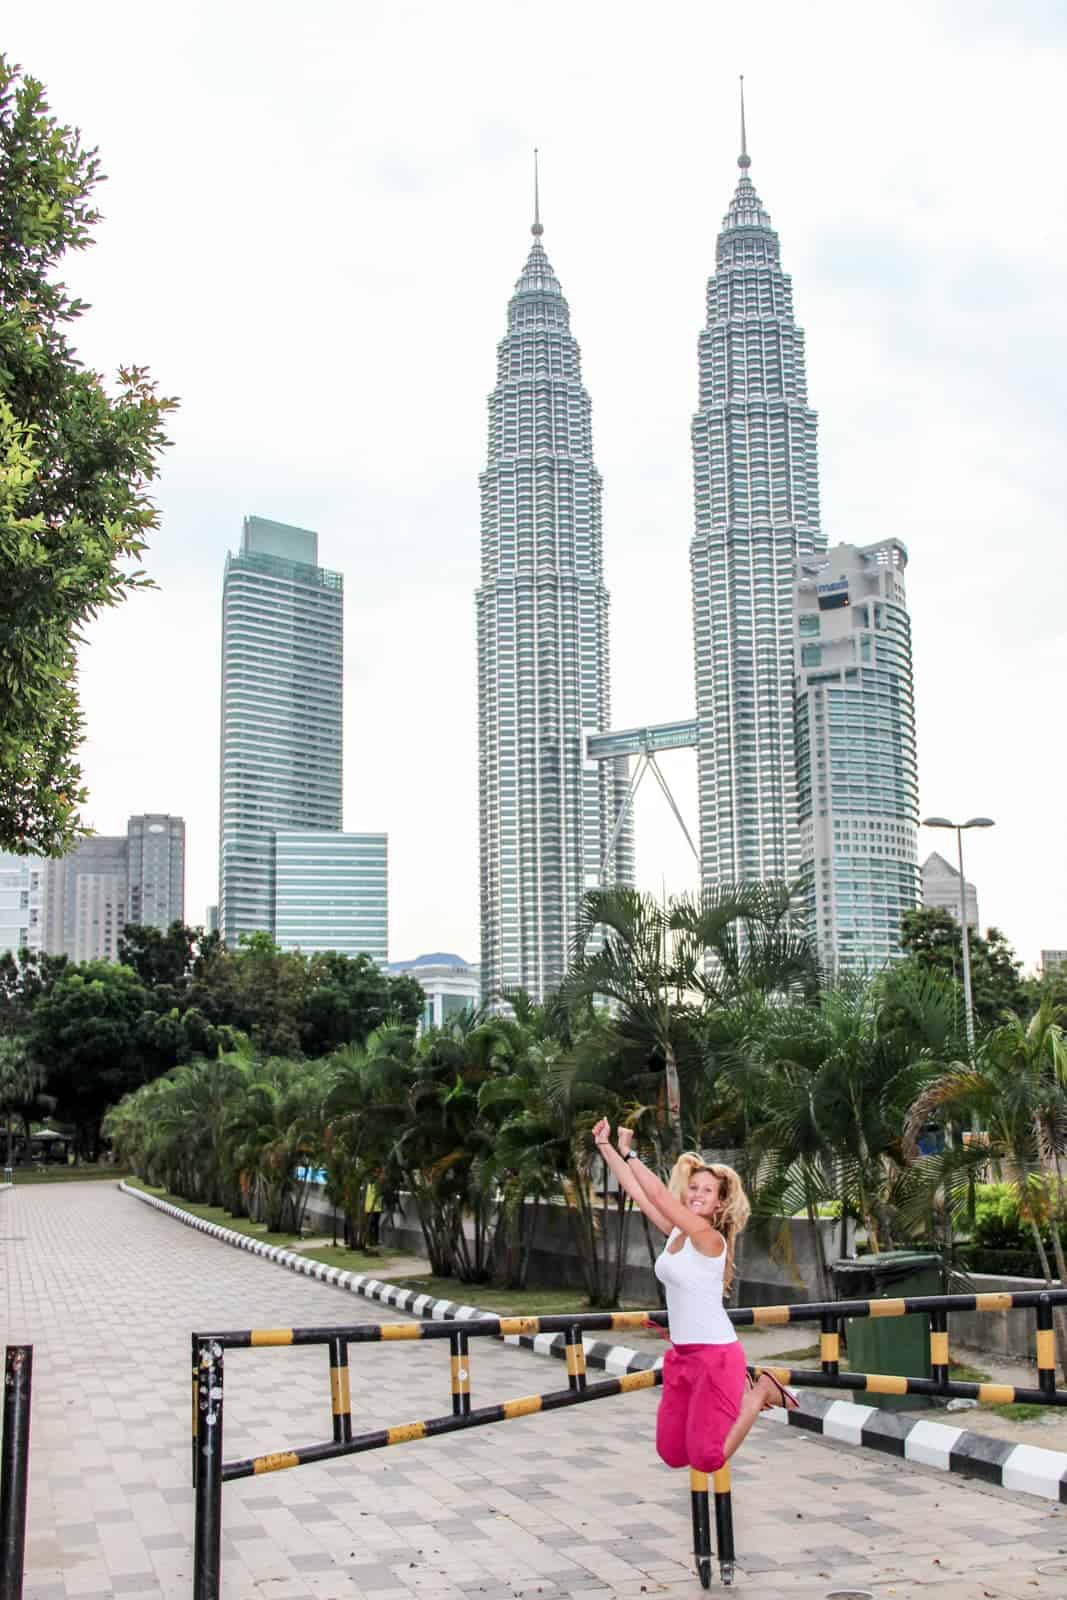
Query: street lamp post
(968, 998)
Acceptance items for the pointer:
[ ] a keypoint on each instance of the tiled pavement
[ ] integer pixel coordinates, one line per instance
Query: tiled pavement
(573, 1503)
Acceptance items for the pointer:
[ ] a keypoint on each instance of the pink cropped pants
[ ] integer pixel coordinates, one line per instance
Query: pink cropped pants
(703, 1386)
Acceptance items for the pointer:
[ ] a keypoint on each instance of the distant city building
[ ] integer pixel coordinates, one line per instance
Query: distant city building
(332, 892)
(451, 985)
(21, 903)
(212, 920)
(857, 784)
(941, 889)
(282, 658)
(86, 899)
(1053, 961)
(546, 815)
(155, 870)
(756, 485)
(89, 895)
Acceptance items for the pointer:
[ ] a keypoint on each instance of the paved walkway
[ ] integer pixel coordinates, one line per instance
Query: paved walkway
(570, 1504)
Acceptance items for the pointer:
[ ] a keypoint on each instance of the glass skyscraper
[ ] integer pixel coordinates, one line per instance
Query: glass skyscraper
(855, 732)
(331, 892)
(282, 658)
(756, 516)
(546, 814)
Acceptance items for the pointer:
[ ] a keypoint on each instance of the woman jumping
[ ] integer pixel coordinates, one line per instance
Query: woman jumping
(706, 1409)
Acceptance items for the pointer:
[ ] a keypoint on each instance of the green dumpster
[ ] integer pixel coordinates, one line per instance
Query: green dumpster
(897, 1346)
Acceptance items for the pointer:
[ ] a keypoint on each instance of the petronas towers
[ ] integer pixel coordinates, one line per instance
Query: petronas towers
(547, 814)
(553, 821)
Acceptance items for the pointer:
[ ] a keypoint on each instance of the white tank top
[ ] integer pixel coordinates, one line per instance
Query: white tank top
(694, 1294)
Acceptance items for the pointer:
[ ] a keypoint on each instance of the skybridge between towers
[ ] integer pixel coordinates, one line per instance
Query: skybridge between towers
(644, 743)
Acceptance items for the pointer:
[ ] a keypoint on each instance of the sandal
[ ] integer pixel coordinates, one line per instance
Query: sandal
(789, 1401)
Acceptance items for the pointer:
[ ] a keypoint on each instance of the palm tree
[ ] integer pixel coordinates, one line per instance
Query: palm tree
(21, 1083)
(1015, 1091)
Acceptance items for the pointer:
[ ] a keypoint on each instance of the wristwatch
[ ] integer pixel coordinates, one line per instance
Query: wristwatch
(631, 1155)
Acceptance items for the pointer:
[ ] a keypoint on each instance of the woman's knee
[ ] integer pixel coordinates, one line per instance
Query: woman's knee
(672, 1452)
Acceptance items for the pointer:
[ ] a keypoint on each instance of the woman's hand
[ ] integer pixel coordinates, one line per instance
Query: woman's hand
(624, 1138)
(602, 1132)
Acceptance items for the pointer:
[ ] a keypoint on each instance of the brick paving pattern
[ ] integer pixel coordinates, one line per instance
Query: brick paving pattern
(571, 1504)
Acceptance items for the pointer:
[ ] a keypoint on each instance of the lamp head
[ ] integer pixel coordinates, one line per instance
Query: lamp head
(980, 822)
(937, 822)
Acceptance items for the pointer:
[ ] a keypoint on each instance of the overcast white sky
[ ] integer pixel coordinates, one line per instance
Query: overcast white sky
(314, 218)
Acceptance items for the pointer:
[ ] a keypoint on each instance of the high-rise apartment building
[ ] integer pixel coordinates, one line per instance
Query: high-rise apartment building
(282, 657)
(756, 517)
(107, 881)
(941, 889)
(21, 902)
(546, 815)
(856, 770)
(86, 899)
(332, 892)
(155, 870)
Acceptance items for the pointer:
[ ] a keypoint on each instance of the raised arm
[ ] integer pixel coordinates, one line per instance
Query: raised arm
(627, 1180)
(656, 1194)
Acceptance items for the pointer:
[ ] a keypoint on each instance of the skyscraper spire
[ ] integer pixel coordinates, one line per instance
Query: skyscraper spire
(537, 230)
(744, 160)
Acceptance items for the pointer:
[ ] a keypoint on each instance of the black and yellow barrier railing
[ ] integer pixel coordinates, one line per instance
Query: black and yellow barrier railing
(211, 1471)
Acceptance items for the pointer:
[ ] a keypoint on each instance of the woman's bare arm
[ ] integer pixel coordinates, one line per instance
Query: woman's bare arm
(655, 1193)
(627, 1180)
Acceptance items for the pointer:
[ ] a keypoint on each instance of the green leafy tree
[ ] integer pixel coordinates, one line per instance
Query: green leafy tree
(85, 1032)
(75, 465)
(931, 940)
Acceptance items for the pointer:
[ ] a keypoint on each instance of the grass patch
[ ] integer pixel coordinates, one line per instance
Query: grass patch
(1021, 1412)
(522, 1302)
(23, 1176)
(356, 1260)
(257, 1230)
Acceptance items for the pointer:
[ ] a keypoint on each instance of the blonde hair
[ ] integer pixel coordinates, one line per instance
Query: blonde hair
(733, 1209)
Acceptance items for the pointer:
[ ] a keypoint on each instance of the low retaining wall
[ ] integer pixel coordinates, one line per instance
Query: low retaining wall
(786, 1277)
(1009, 1334)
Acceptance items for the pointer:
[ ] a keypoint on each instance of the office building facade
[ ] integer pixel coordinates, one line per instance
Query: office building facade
(756, 516)
(21, 903)
(452, 986)
(332, 892)
(282, 661)
(155, 870)
(857, 782)
(941, 889)
(86, 900)
(546, 815)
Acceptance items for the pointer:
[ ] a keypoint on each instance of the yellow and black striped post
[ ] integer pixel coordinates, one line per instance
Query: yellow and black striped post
(340, 1392)
(1046, 1347)
(830, 1347)
(698, 1497)
(939, 1346)
(575, 1348)
(461, 1373)
(724, 1522)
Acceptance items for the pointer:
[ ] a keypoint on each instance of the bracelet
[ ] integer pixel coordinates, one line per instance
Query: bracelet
(602, 1144)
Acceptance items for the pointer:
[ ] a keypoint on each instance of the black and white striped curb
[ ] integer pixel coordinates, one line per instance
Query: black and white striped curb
(1026, 1468)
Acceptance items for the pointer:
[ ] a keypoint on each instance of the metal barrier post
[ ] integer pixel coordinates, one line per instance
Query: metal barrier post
(14, 1467)
(1046, 1347)
(195, 1366)
(575, 1346)
(830, 1347)
(207, 1548)
(340, 1393)
(461, 1373)
(939, 1346)
(698, 1496)
(724, 1523)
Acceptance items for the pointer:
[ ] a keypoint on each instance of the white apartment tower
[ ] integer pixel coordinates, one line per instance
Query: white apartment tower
(546, 816)
(857, 780)
(756, 517)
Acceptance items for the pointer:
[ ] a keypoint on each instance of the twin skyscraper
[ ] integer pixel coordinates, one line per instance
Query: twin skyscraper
(804, 723)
